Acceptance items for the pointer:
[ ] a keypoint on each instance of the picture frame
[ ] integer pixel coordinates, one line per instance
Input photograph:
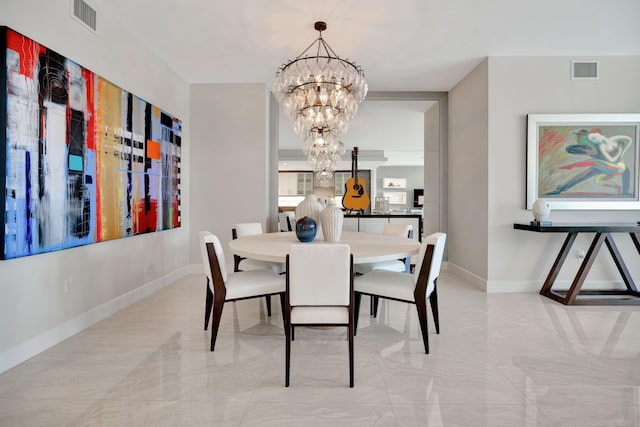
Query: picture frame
(583, 161)
(418, 197)
(396, 197)
(394, 183)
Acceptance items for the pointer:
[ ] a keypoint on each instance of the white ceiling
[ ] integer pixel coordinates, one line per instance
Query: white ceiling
(401, 44)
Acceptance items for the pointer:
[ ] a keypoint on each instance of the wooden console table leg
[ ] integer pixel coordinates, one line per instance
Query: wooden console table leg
(636, 240)
(622, 267)
(557, 265)
(581, 275)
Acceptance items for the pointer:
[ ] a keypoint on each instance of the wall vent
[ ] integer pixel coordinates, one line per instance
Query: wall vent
(84, 13)
(584, 70)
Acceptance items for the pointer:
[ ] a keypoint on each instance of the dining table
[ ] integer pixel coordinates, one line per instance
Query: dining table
(365, 247)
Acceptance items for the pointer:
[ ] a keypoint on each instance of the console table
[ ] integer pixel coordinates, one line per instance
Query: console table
(574, 296)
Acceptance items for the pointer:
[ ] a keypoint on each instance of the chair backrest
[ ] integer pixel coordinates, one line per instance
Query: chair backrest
(203, 253)
(248, 229)
(437, 241)
(208, 240)
(319, 275)
(287, 221)
(392, 229)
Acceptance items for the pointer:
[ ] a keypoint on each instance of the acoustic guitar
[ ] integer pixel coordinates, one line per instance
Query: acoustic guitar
(355, 195)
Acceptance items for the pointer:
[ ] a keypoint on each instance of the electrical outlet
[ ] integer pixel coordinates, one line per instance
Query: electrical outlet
(67, 286)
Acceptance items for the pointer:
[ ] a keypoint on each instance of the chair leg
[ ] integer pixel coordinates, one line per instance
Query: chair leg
(282, 306)
(433, 300)
(287, 352)
(268, 298)
(356, 301)
(217, 315)
(293, 333)
(421, 305)
(351, 364)
(373, 310)
(207, 307)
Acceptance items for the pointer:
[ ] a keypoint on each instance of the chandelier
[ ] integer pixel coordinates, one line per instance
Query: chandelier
(320, 94)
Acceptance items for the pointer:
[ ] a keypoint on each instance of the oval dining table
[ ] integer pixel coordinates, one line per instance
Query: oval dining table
(365, 247)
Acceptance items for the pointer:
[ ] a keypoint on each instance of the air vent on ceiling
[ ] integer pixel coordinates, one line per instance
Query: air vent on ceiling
(84, 13)
(581, 70)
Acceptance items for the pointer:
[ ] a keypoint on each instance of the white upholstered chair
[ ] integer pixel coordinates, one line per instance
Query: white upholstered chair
(287, 221)
(399, 265)
(246, 264)
(411, 288)
(319, 291)
(226, 287)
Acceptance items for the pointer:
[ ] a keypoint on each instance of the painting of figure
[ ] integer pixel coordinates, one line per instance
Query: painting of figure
(591, 160)
(586, 162)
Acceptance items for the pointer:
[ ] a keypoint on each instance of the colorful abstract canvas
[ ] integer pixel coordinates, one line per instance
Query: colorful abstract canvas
(82, 160)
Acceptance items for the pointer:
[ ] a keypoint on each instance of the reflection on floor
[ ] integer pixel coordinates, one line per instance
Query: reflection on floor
(500, 360)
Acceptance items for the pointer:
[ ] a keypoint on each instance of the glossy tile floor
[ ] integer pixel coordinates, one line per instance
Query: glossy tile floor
(500, 360)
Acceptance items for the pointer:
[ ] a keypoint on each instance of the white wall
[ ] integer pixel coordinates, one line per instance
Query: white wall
(35, 313)
(518, 86)
(414, 176)
(433, 179)
(230, 173)
(468, 155)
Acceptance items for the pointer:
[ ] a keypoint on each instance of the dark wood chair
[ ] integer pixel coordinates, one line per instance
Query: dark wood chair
(410, 288)
(226, 287)
(246, 264)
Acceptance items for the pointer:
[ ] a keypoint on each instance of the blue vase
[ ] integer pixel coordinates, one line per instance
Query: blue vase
(306, 229)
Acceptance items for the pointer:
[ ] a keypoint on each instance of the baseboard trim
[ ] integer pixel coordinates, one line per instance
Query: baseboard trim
(468, 276)
(506, 286)
(512, 286)
(26, 350)
(526, 286)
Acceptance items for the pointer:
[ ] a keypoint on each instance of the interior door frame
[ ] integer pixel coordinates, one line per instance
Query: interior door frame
(441, 98)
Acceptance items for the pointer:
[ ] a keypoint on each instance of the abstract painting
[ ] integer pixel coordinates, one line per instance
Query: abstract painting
(583, 161)
(81, 159)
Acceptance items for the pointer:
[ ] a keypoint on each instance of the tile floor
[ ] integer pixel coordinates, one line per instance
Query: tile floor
(500, 360)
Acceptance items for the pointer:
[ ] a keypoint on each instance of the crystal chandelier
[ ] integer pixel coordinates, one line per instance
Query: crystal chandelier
(320, 94)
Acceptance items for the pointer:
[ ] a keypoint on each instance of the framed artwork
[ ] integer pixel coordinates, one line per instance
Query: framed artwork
(583, 161)
(418, 197)
(396, 197)
(394, 183)
(81, 159)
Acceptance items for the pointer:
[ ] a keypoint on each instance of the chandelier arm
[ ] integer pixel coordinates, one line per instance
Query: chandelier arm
(344, 61)
(305, 51)
(330, 51)
(320, 42)
(292, 88)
